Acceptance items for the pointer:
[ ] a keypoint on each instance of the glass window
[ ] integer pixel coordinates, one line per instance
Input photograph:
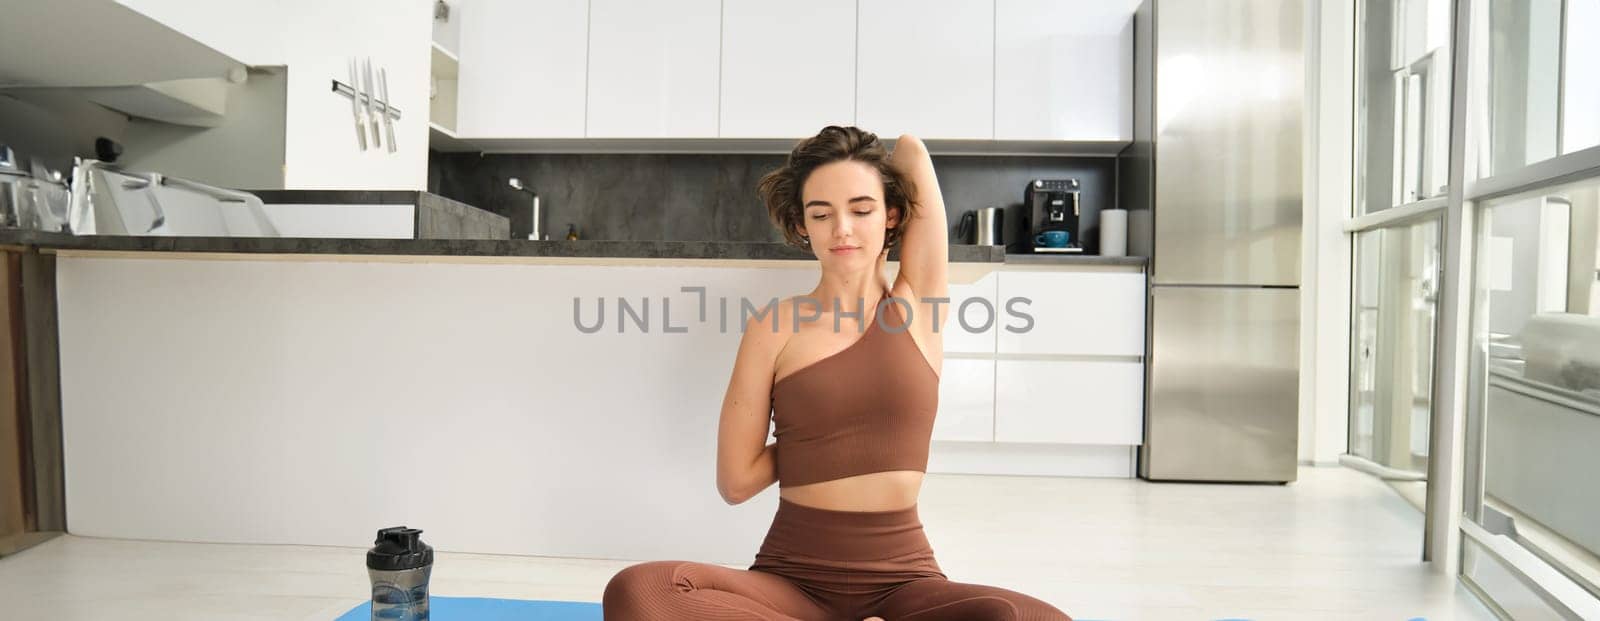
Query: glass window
(1538, 320)
(1543, 81)
(1396, 286)
(1403, 102)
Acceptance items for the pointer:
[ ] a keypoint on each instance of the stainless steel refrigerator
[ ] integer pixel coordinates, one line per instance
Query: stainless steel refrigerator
(1213, 184)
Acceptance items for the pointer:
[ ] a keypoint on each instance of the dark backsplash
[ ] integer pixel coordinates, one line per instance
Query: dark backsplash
(641, 197)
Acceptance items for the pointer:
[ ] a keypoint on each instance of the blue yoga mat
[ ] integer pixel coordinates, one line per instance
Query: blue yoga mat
(491, 609)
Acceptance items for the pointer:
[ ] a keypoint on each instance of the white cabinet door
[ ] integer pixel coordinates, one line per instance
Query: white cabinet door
(1069, 402)
(788, 68)
(320, 147)
(1064, 70)
(977, 299)
(653, 68)
(966, 401)
(926, 67)
(1083, 313)
(522, 68)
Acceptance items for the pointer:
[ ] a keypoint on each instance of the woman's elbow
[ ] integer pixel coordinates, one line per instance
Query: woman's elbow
(732, 497)
(731, 493)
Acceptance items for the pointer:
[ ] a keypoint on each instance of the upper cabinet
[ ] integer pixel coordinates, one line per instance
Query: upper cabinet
(788, 68)
(310, 44)
(927, 67)
(653, 68)
(1063, 70)
(1055, 72)
(321, 150)
(522, 68)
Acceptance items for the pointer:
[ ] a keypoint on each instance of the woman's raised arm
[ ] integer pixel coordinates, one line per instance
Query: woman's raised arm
(925, 238)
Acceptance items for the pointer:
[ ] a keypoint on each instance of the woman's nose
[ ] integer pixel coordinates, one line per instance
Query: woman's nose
(841, 227)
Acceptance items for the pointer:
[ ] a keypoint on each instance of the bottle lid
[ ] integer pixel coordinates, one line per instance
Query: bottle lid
(399, 548)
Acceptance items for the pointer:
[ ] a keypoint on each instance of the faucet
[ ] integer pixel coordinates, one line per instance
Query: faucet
(538, 232)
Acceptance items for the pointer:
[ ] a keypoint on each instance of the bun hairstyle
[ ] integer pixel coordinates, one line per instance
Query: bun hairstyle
(780, 189)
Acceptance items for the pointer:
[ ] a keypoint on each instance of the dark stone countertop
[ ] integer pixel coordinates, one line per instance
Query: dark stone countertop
(959, 253)
(1028, 258)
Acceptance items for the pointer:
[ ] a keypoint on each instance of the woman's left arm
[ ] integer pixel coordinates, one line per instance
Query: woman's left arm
(925, 238)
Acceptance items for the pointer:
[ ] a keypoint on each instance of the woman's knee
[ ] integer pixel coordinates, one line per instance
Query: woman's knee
(638, 582)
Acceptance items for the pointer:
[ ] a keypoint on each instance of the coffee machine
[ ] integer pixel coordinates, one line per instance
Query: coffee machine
(1052, 205)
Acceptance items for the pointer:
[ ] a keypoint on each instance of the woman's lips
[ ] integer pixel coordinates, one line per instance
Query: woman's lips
(842, 249)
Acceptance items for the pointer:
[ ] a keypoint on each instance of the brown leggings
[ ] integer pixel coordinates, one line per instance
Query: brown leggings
(820, 565)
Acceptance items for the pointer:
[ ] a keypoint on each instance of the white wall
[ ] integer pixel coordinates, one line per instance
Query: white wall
(1325, 271)
(309, 402)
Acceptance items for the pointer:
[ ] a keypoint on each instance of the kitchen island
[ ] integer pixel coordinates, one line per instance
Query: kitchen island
(508, 396)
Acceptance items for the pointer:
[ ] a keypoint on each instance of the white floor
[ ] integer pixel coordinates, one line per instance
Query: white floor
(1337, 544)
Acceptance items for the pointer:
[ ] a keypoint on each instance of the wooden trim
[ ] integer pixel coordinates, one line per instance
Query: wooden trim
(44, 389)
(14, 497)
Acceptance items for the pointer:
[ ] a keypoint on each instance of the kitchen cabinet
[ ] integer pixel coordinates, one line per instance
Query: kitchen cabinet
(966, 401)
(246, 31)
(788, 69)
(1069, 402)
(320, 148)
(653, 68)
(313, 47)
(1092, 313)
(522, 71)
(978, 297)
(926, 67)
(1063, 70)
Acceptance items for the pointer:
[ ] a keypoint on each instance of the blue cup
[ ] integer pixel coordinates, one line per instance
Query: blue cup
(1051, 239)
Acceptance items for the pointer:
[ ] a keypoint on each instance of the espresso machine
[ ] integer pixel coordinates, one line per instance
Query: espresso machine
(1052, 210)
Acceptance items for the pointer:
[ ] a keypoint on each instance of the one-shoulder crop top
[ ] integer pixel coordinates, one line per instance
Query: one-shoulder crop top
(868, 408)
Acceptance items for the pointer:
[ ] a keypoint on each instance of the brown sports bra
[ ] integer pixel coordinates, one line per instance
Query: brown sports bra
(868, 408)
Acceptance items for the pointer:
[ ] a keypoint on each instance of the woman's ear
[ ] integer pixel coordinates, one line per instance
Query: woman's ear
(892, 217)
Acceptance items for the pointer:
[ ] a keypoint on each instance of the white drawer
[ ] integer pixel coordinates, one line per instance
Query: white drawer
(1083, 313)
(966, 401)
(1069, 402)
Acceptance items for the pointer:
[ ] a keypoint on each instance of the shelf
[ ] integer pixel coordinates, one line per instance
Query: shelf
(446, 66)
(441, 138)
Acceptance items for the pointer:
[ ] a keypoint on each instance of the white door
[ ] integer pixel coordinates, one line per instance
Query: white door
(966, 401)
(522, 68)
(926, 67)
(1064, 70)
(788, 69)
(653, 68)
(1069, 402)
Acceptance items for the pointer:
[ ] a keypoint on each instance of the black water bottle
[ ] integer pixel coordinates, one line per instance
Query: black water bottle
(399, 565)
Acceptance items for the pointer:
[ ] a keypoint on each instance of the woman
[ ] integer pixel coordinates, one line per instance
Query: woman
(849, 373)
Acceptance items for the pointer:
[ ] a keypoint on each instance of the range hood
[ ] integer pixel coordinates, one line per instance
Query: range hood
(114, 56)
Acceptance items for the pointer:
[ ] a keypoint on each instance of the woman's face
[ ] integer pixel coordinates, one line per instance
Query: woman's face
(844, 213)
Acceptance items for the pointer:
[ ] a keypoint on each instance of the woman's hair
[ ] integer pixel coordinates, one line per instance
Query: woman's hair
(780, 189)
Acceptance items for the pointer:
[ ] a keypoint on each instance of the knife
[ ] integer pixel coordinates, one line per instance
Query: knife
(372, 114)
(355, 106)
(383, 91)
